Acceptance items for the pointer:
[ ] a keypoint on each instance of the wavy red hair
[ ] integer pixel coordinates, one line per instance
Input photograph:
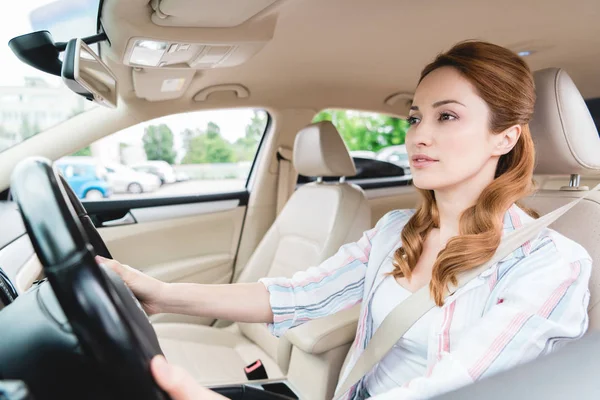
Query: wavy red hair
(505, 82)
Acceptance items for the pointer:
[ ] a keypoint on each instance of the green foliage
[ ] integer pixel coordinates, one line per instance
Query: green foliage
(366, 131)
(86, 151)
(245, 147)
(158, 143)
(209, 146)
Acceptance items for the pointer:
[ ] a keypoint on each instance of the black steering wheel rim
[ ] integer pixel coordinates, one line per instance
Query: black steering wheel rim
(93, 236)
(111, 327)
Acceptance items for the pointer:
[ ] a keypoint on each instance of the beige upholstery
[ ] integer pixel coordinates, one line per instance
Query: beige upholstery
(324, 334)
(320, 151)
(317, 219)
(567, 142)
(213, 356)
(563, 130)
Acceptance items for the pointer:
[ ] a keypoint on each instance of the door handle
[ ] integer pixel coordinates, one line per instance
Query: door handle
(127, 219)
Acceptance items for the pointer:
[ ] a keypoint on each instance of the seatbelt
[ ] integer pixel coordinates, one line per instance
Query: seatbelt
(286, 175)
(405, 314)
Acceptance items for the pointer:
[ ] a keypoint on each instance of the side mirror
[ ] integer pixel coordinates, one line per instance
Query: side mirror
(84, 73)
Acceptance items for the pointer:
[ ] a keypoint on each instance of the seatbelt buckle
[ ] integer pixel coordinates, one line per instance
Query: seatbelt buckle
(256, 371)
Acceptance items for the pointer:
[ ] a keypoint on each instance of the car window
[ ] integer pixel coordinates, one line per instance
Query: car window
(375, 142)
(204, 152)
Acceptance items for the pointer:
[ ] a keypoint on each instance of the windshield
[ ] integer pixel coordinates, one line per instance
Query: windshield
(32, 101)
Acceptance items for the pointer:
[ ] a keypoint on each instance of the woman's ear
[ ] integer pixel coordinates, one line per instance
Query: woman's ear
(506, 140)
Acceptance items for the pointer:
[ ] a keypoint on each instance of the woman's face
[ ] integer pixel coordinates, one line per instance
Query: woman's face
(449, 142)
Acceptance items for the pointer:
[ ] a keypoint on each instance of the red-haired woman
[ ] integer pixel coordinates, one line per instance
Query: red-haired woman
(471, 158)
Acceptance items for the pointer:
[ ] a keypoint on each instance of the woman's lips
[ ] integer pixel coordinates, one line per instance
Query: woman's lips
(422, 161)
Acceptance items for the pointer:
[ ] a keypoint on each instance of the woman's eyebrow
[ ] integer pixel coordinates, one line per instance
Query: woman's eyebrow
(438, 104)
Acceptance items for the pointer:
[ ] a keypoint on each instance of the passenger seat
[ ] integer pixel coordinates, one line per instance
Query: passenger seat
(567, 143)
(318, 218)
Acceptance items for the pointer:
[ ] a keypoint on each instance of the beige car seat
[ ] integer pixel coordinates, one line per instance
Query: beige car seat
(318, 218)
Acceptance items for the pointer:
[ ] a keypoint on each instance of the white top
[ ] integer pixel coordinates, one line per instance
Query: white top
(532, 302)
(408, 358)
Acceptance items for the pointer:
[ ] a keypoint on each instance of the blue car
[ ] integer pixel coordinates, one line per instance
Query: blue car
(86, 176)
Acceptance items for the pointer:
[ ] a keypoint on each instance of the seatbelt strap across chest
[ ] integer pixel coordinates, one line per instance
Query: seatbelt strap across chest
(405, 314)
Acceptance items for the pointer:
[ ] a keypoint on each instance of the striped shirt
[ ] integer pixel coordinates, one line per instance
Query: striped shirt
(524, 306)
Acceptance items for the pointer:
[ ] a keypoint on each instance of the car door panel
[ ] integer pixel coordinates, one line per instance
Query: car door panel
(191, 242)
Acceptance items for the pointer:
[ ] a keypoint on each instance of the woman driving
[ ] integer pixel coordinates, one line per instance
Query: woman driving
(471, 158)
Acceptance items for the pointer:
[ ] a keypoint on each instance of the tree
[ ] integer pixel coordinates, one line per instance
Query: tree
(207, 146)
(187, 135)
(158, 143)
(366, 131)
(245, 147)
(256, 128)
(86, 151)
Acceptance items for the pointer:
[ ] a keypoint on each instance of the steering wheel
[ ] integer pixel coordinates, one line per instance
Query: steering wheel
(86, 222)
(109, 323)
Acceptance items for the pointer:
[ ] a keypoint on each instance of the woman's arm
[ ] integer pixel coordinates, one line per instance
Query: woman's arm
(543, 306)
(335, 285)
(242, 302)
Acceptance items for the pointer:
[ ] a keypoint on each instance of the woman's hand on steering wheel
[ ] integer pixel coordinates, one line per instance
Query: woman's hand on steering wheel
(148, 290)
(178, 383)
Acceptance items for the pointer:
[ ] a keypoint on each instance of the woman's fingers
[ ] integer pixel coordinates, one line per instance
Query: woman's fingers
(112, 264)
(178, 383)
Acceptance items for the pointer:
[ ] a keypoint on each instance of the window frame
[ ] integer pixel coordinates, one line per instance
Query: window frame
(122, 206)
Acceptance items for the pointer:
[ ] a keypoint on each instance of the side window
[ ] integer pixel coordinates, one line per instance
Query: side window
(375, 141)
(204, 152)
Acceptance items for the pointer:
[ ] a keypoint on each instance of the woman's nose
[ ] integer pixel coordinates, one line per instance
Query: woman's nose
(420, 135)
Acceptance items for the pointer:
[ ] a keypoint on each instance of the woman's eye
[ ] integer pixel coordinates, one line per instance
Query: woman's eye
(447, 117)
(412, 120)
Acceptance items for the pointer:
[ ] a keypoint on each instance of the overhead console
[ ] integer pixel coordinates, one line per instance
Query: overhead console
(150, 53)
(202, 52)
(168, 44)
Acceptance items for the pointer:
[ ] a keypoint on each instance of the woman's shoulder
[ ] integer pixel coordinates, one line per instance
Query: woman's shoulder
(552, 242)
(553, 258)
(393, 221)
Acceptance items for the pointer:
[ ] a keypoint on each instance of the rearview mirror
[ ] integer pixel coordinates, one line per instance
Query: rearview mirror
(85, 74)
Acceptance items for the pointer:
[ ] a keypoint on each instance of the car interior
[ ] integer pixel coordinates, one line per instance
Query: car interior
(71, 329)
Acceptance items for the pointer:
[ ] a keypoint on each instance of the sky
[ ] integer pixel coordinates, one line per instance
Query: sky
(232, 123)
(17, 21)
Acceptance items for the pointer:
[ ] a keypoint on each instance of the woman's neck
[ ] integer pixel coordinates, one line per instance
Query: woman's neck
(453, 201)
(450, 208)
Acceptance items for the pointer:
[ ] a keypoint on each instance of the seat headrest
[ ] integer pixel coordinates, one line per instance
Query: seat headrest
(320, 151)
(562, 128)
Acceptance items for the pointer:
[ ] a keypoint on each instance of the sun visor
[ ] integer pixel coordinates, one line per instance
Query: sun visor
(207, 13)
(161, 84)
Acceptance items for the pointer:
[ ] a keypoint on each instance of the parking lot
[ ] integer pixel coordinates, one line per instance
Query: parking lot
(192, 187)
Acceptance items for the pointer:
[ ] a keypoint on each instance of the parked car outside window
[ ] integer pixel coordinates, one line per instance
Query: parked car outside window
(127, 180)
(86, 176)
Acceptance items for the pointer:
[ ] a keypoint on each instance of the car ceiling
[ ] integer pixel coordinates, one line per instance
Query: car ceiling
(343, 53)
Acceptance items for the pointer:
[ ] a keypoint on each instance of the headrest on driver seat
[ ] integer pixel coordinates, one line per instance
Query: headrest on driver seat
(562, 128)
(320, 151)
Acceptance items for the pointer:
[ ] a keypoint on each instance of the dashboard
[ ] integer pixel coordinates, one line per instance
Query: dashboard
(17, 257)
